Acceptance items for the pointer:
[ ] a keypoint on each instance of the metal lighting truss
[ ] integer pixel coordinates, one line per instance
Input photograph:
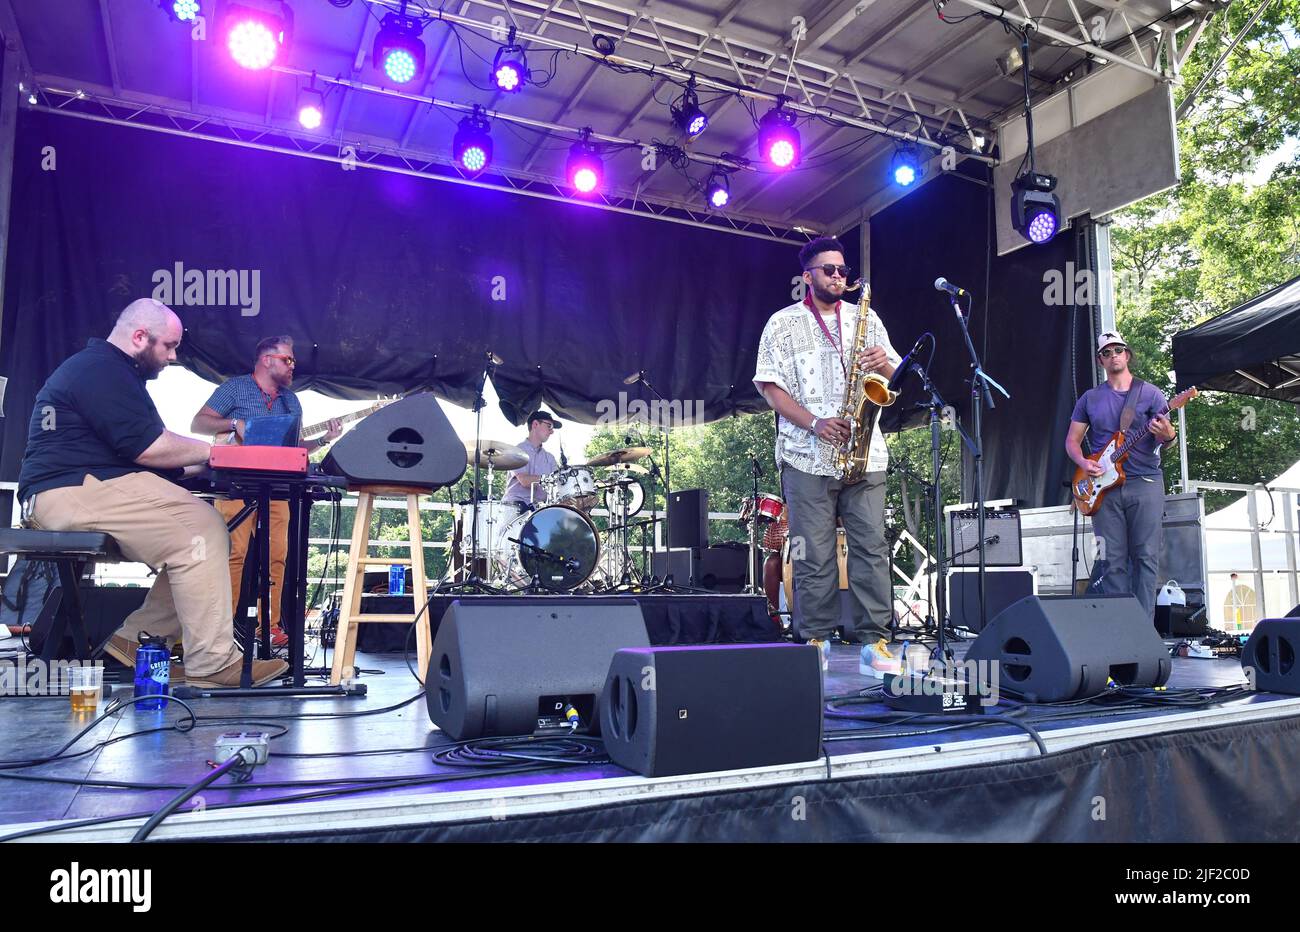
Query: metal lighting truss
(363, 153)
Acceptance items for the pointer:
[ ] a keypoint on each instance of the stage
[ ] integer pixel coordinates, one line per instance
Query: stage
(361, 769)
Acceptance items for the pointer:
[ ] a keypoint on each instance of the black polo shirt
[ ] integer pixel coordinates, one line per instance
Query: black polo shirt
(92, 417)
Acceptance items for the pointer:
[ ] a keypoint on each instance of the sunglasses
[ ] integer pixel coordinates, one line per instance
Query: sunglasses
(1107, 353)
(288, 360)
(829, 270)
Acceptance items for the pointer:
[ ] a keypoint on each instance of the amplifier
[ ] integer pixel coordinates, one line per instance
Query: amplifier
(1001, 534)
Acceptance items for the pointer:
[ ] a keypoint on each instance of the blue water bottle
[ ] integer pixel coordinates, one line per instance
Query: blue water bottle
(153, 671)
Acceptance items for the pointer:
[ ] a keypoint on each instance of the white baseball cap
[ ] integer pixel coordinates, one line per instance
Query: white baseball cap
(1110, 338)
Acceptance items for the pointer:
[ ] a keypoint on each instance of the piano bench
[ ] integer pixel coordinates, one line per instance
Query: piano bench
(69, 551)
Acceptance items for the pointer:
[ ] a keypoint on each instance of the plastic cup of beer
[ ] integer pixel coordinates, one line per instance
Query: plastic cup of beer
(85, 685)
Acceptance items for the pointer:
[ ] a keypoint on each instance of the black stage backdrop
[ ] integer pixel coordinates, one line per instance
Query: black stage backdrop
(1024, 343)
(386, 282)
(390, 283)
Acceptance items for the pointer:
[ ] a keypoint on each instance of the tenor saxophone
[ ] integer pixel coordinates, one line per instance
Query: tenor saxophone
(865, 393)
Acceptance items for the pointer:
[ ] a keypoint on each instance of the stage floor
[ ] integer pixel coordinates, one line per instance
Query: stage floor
(866, 787)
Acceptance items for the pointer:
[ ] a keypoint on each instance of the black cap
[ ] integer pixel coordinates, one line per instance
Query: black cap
(540, 415)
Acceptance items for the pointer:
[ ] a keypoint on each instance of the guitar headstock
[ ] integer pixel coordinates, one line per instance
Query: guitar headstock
(1182, 398)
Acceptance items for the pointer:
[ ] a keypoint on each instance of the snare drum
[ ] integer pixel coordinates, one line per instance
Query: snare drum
(767, 507)
(575, 486)
(493, 517)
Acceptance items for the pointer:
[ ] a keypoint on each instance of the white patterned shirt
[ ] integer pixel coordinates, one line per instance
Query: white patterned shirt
(795, 355)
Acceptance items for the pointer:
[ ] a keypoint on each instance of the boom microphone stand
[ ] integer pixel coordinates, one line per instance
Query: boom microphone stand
(639, 376)
(980, 397)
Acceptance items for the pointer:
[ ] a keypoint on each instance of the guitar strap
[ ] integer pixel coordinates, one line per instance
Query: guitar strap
(1130, 404)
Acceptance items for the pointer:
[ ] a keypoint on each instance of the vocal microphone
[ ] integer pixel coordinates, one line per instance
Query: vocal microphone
(634, 377)
(564, 460)
(942, 284)
(900, 373)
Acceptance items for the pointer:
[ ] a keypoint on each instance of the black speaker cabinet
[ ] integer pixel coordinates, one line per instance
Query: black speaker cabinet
(1002, 588)
(409, 442)
(675, 710)
(511, 666)
(688, 519)
(1271, 652)
(1053, 649)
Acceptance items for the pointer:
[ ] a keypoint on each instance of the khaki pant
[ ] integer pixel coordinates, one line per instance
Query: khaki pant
(239, 541)
(182, 537)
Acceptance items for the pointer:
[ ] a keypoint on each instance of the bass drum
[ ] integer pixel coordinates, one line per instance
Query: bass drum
(557, 545)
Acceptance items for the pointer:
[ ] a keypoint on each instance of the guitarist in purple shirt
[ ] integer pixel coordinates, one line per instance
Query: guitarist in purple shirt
(1128, 519)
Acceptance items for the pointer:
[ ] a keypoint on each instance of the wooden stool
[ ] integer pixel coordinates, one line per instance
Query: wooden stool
(345, 644)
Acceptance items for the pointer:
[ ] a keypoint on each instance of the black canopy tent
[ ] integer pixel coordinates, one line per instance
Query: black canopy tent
(1253, 349)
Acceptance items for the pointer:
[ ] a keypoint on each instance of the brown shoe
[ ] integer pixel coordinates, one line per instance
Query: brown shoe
(124, 651)
(264, 671)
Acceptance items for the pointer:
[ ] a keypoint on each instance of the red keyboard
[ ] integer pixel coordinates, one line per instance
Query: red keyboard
(288, 460)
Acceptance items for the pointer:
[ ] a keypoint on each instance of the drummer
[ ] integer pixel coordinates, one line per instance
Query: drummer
(525, 488)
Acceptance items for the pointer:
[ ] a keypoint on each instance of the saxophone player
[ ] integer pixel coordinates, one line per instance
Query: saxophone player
(804, 363)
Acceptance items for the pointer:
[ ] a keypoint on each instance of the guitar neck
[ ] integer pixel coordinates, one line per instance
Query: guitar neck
(323, 426)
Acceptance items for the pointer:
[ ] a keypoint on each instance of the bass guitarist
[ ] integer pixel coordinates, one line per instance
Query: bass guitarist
(1128, 520)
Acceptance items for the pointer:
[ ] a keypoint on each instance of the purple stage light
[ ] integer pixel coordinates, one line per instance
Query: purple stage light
(719, 197)
(718, 189)
(185, 10)
(778, 140)
(697, 125)
(252, 41)
(507, 77)
(310, 116)
(584, 168)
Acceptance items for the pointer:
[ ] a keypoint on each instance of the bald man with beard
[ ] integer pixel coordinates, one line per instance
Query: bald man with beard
(98, 458)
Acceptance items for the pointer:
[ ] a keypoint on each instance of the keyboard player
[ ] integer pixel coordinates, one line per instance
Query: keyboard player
(98, 458)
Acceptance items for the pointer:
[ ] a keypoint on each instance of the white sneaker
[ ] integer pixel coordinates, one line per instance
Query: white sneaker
(878, 660)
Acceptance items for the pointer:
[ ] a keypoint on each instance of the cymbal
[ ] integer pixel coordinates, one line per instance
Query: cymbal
(614, 457)
(498, 454)
(630, 468)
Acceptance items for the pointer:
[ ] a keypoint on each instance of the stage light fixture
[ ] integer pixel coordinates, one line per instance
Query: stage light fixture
(510, 66)
(1035, 210)
(181, 11)
(778, 139)
(584, 169)
(718, 190)
(686, 113)
(399, 51)
(255, 35)
(906, 166)
(472, 144)
(311, 108)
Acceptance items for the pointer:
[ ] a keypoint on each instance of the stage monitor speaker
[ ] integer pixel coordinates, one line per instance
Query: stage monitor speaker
(1053, 649)
(1002, 588)
(512, 666)
(1294, 613)
(1001, 533)
(1271, 652)
(409, 442)
(667, 711)
(688, 519)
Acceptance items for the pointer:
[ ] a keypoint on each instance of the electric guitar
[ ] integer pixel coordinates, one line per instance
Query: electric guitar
(1089, 490)
(312, 430)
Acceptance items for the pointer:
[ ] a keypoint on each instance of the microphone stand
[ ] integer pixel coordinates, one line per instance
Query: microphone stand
(474, 582)
(935, 406)
(980, 396)
(751, 587)
(668, 473)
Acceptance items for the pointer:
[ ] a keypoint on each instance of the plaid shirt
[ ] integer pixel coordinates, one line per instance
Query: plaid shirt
(241, 397)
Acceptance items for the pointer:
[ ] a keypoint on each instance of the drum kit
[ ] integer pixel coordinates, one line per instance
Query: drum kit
(555, 545)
